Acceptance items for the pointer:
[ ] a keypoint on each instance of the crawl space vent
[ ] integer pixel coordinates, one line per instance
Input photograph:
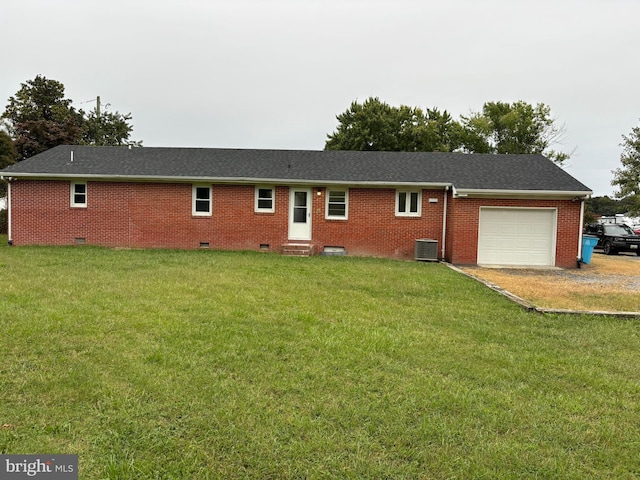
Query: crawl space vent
(333, 251)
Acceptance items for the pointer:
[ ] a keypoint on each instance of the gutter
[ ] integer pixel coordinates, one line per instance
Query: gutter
(457, 192)
(444, 220)
(9, 235)
(222, 180)
(493, 193)
(580, 227)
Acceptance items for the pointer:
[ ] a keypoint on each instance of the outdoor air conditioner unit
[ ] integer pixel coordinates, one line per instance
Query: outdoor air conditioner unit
(426, 250)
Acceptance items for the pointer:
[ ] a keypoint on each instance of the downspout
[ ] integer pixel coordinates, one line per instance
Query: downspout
(579, 259)
(9, 236)
(444, 220)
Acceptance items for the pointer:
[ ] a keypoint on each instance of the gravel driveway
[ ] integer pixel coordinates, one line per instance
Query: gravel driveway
(603, 270)
(610, 283)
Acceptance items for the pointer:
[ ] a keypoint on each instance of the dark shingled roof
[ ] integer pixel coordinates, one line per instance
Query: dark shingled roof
(463, 171)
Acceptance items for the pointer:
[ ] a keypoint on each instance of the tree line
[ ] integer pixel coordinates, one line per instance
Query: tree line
(500, 127)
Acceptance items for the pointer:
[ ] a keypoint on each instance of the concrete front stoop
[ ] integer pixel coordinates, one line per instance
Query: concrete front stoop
(298, 249)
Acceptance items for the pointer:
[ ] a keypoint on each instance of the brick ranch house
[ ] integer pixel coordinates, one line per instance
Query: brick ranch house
(512, 210)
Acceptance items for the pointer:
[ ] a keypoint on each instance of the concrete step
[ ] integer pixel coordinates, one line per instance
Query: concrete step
(298, 249)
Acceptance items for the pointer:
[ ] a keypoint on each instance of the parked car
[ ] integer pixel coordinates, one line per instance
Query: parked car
(614, 238)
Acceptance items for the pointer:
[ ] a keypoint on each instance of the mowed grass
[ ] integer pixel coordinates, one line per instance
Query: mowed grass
(204, 364)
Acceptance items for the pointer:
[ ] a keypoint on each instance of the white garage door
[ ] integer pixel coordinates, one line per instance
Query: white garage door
(517, 236)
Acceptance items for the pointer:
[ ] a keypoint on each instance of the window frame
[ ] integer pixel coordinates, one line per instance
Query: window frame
(73, 193)
(195, 200)
(408, 193)
(257, 198)
(328, 201)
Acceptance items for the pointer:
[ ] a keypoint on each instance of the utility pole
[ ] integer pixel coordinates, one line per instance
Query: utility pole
(98, 107)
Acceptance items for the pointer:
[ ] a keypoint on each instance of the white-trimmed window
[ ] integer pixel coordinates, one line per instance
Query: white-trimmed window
(265, 201)
(408, 203)
(201, 204)
(79, 194)
(337, 206)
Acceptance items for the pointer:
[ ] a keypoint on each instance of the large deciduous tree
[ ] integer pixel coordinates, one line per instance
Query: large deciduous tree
(39, 117)
(8, 156)
(8, 152)
(375, 125)
(107, 128)
(517, 127)
(627, 178)
(367, 126)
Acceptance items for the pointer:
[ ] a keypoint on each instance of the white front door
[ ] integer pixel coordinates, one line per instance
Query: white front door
(300, 214)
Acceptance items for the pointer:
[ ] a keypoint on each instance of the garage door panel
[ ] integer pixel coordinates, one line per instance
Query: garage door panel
(512, 236)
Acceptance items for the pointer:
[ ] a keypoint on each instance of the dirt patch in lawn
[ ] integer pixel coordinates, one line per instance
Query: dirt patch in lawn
(608, 283)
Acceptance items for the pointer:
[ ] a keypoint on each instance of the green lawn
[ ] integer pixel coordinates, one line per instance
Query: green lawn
(204, 364)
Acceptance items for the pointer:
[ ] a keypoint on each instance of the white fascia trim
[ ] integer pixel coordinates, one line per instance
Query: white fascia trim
(235, 180)
(457, 192)
(463, 192)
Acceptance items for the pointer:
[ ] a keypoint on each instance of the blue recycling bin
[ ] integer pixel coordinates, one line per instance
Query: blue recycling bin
(588, 244)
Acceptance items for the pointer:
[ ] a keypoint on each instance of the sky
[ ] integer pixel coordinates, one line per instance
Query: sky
(274, 74)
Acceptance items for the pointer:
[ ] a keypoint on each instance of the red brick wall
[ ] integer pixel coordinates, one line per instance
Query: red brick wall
(143, 215)
(463, 219)
(151, 215)
(373, 228)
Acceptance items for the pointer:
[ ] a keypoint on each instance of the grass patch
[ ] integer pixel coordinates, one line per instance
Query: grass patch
(204, 364)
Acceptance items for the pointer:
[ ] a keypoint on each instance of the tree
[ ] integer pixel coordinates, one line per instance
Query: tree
(605, 206)
(106, 128)
(513, 128)
(8, 152)
(375, 125)
(500, 128)
(447, 133)
(627, 178)
(8, 156)
(366, 127)
(39, 117)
